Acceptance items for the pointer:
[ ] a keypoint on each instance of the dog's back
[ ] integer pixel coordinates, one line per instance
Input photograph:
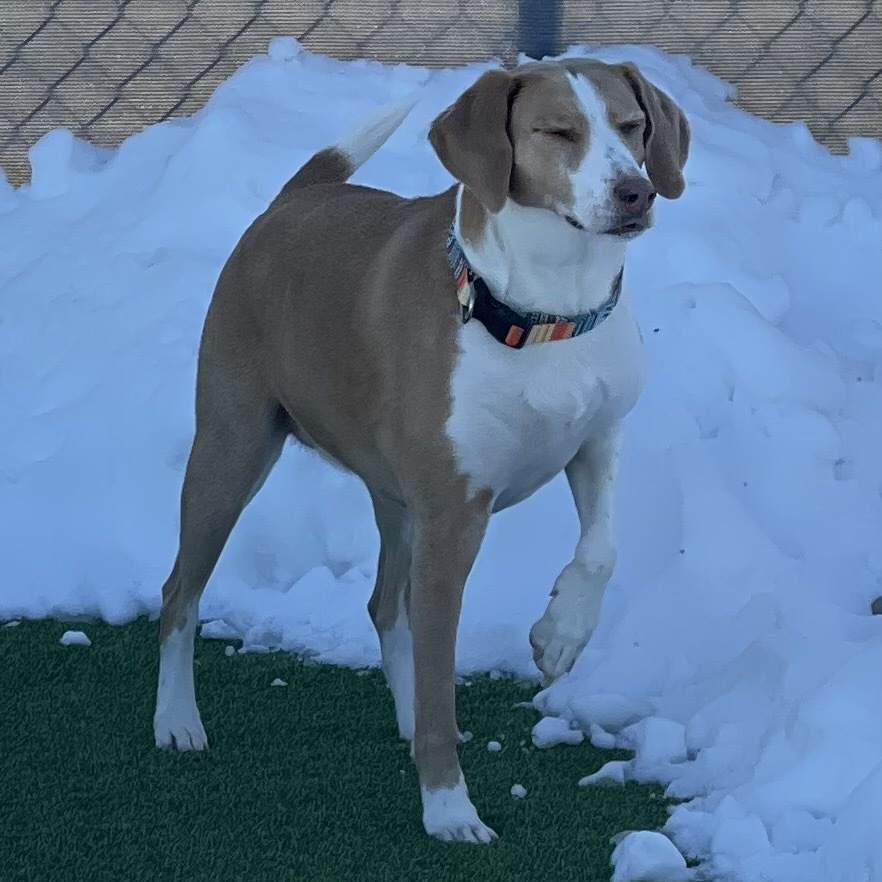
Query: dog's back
(303, 298)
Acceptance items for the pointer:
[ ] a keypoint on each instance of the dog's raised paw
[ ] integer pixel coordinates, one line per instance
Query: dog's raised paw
(179, 733)
(556, 646)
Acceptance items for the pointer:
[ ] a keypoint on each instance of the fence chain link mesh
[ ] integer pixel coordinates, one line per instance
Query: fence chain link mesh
(106, 68)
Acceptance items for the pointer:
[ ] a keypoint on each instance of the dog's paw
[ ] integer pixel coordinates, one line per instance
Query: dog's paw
(448, 815)
(475, 831)
(556, 645)
(179, 731)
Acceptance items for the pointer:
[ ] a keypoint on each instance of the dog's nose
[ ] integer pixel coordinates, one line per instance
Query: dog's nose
(634, 194)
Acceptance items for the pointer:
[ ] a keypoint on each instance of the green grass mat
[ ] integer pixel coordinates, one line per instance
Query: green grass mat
(306, 782)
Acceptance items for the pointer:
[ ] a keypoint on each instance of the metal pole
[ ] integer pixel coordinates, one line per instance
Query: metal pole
(539, 27)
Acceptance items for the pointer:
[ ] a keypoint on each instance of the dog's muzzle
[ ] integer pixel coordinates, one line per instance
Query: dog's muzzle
(633, 197)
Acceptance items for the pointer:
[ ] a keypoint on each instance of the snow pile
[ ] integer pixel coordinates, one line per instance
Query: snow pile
(735, 651)
(648, 857)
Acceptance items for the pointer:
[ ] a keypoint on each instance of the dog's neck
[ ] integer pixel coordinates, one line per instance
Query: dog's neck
(533, 261)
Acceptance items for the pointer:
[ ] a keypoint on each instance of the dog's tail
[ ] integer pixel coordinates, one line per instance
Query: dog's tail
(334, 165)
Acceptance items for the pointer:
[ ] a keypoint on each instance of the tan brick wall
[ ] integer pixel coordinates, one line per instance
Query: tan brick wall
(105, 68)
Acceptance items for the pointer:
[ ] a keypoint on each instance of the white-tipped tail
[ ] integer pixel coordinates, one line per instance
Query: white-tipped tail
(373, 131)
(334, 165)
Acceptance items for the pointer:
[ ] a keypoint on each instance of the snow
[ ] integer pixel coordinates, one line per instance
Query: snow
(218, 630)
(279, 682)
(659, 741)
(608, 775)
(735, 653)
(550, 731)
(74, 638)
(645, 856)
(518, 791)
(494, 746)
(600, 737)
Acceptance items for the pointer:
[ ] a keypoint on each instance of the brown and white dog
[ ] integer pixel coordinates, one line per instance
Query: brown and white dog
(456, 352)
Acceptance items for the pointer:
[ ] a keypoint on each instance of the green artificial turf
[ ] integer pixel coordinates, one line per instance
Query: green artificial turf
(304, 782)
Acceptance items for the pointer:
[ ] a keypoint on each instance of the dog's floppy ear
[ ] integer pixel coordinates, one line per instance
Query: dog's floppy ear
(471, 138)
(666, 138)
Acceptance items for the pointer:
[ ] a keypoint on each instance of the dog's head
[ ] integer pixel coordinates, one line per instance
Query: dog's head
(589, 141)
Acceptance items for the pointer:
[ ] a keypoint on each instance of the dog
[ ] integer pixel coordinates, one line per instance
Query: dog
(456, 352)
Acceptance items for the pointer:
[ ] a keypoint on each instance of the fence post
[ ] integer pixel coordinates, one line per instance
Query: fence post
(539, 27)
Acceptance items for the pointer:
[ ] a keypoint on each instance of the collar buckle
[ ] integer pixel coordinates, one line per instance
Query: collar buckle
(467, 309)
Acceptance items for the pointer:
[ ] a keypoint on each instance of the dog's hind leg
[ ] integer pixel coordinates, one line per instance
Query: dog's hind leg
(239, 436)
(388, 607)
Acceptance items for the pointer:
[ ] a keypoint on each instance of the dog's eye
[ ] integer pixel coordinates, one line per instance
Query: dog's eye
(630, 127)
(555, 132)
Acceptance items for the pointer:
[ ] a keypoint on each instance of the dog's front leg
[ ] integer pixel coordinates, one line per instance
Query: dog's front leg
(446, 542)
(572, 614)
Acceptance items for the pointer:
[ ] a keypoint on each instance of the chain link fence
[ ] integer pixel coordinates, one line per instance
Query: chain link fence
(106, 68)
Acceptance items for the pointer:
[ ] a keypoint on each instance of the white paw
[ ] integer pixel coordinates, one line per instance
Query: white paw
(557, 644)
(448, 815)
(475, 831)
(179, 730)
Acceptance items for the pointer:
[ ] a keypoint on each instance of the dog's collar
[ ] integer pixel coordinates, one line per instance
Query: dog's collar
(518, 329)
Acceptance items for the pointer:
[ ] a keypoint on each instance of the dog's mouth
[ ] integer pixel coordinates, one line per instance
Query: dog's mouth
(625, 230)
(628, 230)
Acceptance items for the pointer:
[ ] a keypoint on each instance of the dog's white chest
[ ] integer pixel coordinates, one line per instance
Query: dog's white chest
(519, 416)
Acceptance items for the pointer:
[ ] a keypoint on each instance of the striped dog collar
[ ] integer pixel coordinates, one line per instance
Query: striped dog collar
(518, 329)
